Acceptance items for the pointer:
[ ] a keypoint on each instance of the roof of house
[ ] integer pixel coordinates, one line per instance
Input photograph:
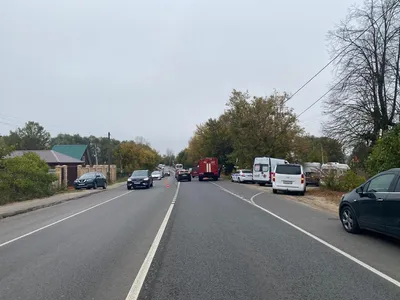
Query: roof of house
(49, 156)
(75, 151)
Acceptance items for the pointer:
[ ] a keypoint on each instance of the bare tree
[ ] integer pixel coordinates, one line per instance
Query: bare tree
(365, 92)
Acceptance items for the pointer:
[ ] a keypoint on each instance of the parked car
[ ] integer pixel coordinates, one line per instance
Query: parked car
(184, 175)
(140, 179)
(156, 175)
(242, 176)
(91, 180)
(375, 205)
(289, 178)
(167, 173)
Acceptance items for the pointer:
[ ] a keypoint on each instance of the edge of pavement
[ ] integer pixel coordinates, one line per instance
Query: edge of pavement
(17, 208)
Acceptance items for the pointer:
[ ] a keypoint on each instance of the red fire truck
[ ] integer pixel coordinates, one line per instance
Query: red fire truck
(208, 168)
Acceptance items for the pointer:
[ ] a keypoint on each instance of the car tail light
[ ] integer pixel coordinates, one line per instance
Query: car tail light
(302, 178)
(243, 175)
(273, 177)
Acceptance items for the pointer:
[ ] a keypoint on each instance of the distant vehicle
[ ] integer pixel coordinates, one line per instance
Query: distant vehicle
(263, 167)
(156, 175)
(336, 168)
(375, 205)
(312, 171)
(167, 173)
(183, 175)
(289, 178)
(140, 179)
(242, 176)
(91, 180)
(208, 168)
(178, 166)
(194, 172)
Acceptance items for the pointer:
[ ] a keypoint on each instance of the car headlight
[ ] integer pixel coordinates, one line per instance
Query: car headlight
(147, 178)
(129, 179)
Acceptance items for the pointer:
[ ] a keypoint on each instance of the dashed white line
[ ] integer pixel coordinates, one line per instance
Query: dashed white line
(61, 220)
(345, 254)
(144, 269)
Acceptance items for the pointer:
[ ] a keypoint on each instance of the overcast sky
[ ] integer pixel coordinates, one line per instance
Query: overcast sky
(156, 68)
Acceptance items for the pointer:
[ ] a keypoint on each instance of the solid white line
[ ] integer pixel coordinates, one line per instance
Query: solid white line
(144, 269)
(345, 254)
(252, 198)
(62, 220)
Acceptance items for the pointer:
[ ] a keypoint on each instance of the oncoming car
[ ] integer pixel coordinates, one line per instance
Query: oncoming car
(91, 180)
(156, 175)
(140, 179)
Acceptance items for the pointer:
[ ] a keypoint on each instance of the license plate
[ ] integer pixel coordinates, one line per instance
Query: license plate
(287, 182)
(81, 184)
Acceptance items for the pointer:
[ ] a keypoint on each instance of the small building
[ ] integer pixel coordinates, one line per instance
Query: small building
(53, 159)
(79, 152)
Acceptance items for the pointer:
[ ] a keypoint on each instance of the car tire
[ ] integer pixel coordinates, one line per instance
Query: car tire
(261, 184)
(151, 184)
(348, 219)
(129, 188)
(105, 186)
(200, 178)
(302, 193)
(274, 191)
(95, 185)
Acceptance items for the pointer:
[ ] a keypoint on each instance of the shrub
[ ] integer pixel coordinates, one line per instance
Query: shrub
(342, 183)
(25, 177)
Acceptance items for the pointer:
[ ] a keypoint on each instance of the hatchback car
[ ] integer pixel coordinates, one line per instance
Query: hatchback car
(375, 205)
(288, 178)
(156, 175)
(183, 175)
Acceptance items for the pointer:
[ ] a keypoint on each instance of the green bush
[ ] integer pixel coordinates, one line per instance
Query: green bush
(25, 177)
(385, 154)
(343, 183)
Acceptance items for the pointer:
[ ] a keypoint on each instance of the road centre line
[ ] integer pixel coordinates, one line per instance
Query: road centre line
(62, 220)
(325, 243)
(144, 269)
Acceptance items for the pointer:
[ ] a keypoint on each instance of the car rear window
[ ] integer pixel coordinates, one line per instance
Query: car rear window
(288, 169)
(247, 171)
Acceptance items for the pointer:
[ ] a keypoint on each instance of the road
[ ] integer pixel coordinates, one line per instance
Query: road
(222, 241)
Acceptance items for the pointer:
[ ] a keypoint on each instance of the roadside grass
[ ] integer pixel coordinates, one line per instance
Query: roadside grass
(329, 195)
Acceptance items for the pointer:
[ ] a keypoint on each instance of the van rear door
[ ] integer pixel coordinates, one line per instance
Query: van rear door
(288, 175)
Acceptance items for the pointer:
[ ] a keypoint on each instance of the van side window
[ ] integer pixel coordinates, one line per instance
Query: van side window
(381, 183)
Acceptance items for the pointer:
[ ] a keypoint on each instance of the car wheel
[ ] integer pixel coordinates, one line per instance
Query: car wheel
(151, 184)
(274, 191)
(190, 179)
(349, 220)
(105, 186)
(302, 193)
(128, 187)
(95, 185)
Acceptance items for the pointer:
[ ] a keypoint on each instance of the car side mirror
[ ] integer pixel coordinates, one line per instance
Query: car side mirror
(359, 190)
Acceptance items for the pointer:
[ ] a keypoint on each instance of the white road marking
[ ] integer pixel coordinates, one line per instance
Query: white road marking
(252, 198)
(144, 269)
(229, 192)
(345, 254)
(62, 220)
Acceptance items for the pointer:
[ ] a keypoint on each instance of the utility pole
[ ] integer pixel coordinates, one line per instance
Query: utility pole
(109, 158)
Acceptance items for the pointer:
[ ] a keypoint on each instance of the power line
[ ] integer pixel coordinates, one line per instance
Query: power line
(336, 56)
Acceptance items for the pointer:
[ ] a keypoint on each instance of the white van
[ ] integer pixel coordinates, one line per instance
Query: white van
(262, 168)
(289, 178)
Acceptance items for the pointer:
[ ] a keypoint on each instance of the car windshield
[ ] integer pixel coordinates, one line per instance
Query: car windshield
(139, 173)
(288, 169)
(87, 176)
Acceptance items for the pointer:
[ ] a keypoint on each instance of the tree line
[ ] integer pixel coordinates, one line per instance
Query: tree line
(257, 126)
(127, 155)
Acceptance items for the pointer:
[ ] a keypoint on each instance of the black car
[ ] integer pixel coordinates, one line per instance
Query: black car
(140, 179)
(375, 205)
(183, 175)
(91, 180)
(167, 173)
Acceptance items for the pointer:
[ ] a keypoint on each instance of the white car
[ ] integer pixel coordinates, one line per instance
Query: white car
(156, 175)
(242, 175)
(289, 178)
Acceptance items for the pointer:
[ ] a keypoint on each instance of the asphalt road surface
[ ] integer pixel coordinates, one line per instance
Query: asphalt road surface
(217, 244)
